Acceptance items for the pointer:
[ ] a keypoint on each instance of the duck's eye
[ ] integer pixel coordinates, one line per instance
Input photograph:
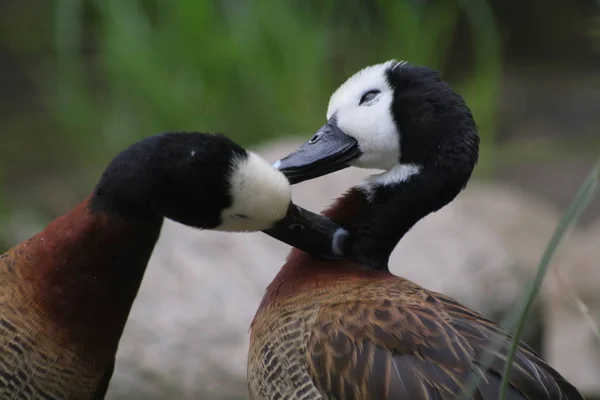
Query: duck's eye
(370, 95)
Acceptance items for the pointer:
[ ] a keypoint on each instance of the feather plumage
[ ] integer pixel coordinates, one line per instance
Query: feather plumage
(388, 338)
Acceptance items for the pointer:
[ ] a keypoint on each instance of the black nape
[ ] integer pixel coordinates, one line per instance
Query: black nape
(435, 123)
(178, 175)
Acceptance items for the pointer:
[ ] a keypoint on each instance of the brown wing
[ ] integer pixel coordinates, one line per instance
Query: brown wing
(427, 349)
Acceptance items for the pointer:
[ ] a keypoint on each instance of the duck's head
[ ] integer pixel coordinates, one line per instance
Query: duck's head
(402, 119)
(208, 181)
(392, 116)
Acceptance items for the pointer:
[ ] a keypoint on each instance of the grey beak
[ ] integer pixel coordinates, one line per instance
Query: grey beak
(329, 150)
(310, 232)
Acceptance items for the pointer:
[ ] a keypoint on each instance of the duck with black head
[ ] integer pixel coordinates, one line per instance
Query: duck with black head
(349, 329)
(66, 293)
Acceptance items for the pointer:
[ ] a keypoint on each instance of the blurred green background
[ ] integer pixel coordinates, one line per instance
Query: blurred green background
(82, 79)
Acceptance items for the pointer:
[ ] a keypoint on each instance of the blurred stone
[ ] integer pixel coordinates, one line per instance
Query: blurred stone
(187, 335)
(572, 313)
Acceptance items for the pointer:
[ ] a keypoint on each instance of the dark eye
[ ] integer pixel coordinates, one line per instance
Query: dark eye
(370, 95)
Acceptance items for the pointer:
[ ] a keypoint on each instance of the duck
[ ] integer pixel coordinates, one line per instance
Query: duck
(350, 329)
(66, 293)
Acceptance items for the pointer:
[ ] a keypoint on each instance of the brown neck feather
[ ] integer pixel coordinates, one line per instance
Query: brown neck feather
(85, 270)
(302, 271)
(345, 210)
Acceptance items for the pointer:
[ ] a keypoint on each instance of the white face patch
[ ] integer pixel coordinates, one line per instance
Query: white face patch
(396, 175)
(261, 196)
(370, 123)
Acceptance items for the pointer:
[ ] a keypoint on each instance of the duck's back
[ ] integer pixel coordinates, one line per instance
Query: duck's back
(38, 359)
(370, 336)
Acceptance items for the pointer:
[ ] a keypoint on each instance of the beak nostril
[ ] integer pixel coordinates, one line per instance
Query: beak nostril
(315, 138)
(295, 227)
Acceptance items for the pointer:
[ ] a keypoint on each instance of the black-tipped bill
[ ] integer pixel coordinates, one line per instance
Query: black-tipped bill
(329, 150)
(312, 233)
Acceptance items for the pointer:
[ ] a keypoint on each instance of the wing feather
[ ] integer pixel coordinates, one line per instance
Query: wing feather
(421, 350)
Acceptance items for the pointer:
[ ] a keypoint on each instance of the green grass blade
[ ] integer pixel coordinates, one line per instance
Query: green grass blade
(576, 207)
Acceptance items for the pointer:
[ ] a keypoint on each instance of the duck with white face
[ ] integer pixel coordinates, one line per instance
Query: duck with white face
(368, 334)
(402, 119)
(66, 293)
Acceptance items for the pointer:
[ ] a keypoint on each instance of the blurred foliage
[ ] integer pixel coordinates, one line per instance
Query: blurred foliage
(252, 69)
(118, 71)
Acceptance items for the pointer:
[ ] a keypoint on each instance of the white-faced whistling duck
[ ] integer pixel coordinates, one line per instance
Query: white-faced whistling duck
(65, 294)
(349, 329)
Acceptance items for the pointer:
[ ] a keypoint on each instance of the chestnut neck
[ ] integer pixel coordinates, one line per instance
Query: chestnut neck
(86, 268)
(303, 271)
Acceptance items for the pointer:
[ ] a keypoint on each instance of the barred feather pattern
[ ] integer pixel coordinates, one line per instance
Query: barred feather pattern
(368, 339)
(36, 361)
(277, 358)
